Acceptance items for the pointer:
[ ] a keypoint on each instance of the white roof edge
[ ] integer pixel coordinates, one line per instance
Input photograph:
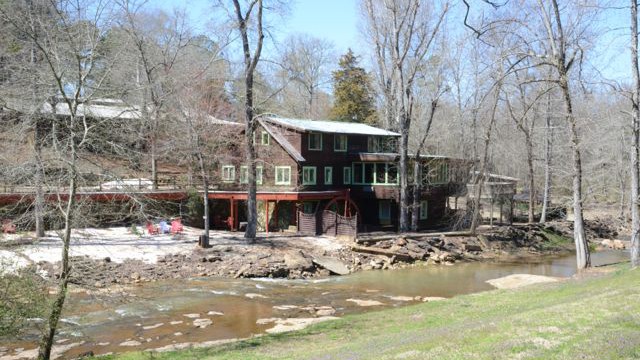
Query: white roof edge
(328, 126)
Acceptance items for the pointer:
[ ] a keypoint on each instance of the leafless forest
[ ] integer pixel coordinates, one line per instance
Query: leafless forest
(521, 88)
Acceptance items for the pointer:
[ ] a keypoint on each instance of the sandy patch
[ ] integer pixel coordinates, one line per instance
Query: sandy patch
(519, 280)
(284, 325)
(360, 302)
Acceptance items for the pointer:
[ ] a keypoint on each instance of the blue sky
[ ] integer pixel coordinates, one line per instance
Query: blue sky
(338, 21)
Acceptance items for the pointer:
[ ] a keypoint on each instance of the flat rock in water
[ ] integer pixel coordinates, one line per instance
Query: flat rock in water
(332, 264)
(433, 298)
(202, 323)
(519, 280)
(284, 325)
(365, 302)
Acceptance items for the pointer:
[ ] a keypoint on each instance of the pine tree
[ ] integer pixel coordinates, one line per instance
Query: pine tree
(352, 91)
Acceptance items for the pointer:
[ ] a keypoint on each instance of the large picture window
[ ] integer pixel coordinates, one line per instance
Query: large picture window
(315, 141)
(283, 175)
(309, 175)
(375, 173)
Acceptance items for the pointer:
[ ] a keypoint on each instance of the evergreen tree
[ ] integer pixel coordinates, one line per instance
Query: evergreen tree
(352, 91)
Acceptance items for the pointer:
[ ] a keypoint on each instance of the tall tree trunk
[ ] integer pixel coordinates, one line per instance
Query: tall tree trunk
(635, 150)
(546, 198)
(46, 342)
(480, 177)
(154, 163)
(404, 183)
(415, 207)
(250, 62)
(532, 193)
(39, 179)
(205, 195)
(583, 257)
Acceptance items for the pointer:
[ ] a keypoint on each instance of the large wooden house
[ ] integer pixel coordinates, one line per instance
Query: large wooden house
(329, 177)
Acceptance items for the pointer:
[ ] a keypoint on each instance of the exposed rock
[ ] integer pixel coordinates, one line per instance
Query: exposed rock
(215, 313)
(360, 302)
(149, 327)
(285, 307)
(253, 296)
(130, 343)
(401, 298)
(518, 280)
(332, 264)
(192, 316)
(267, 321)
(202, 323)
(432, 298)
(296, 260)
(284, 325)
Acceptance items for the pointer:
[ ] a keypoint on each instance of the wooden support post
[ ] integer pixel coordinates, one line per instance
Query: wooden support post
(501, 206)
(511, 212)
(236, 219)
(275, 214)
(232, 215)
(491, 213)
(266, 221)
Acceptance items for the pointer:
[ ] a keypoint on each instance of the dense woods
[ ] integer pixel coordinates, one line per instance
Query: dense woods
(521, 88)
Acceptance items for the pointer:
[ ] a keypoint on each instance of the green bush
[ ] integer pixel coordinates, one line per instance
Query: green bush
(22, 296)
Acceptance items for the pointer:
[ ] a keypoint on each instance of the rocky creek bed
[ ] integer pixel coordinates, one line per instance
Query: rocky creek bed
(271, 259)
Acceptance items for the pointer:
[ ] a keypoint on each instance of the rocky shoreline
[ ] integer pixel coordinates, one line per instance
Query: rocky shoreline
(264, 259)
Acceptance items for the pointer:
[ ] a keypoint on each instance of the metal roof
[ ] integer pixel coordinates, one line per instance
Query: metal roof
(103, 109)
(324, 126)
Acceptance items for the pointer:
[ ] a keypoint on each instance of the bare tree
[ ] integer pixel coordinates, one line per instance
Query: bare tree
(635, 143)
(402, 33)
(68, 47)
(306, 61)
(245, 16)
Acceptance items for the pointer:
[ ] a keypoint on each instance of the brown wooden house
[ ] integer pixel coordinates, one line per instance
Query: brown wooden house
(329, 177)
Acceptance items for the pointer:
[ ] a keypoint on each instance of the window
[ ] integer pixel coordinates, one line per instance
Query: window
(440, 175)
(381, 144)
(340, 143)
(346, 175)
(244, 175)
(375, 173)
(308, 207)
(283, 175)
(315, 141)
(328, 175)
(265, 138)
(308, 175)
(259, 175)
(228, 173)
(424, 208)
(384, 211)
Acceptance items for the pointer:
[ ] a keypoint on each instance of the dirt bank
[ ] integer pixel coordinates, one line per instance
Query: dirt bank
(134, 258)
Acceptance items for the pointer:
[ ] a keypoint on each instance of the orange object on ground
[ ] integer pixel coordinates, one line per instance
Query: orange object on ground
(176, 226)
(152, 229)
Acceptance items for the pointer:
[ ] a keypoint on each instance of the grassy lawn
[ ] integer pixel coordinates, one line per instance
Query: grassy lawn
(594, 318)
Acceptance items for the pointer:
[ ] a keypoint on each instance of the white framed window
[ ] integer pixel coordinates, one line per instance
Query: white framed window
(315, 141)
(346, 175)
(265, 139)
(308, 175)
(283, 175)
(328, 175)
(259, 175)
(340, 143)
(424, 210)
(228, 173)
(384, 211)
(244, 174)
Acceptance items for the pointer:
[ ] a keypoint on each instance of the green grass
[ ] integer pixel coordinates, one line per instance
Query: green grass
(595, 318)
(555, 241)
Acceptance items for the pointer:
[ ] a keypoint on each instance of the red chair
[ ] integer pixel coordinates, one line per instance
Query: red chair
(8, 227)
(152, 229)
(176, 226)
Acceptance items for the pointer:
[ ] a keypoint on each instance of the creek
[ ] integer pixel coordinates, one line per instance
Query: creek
(152, 315)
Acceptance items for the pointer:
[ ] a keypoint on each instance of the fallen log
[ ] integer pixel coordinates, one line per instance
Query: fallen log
(385, 252)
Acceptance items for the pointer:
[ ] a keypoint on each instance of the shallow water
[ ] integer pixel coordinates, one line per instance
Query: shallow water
(105, 324)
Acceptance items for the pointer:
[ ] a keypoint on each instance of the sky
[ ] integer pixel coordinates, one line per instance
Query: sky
(338, 22)
(333, 20)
